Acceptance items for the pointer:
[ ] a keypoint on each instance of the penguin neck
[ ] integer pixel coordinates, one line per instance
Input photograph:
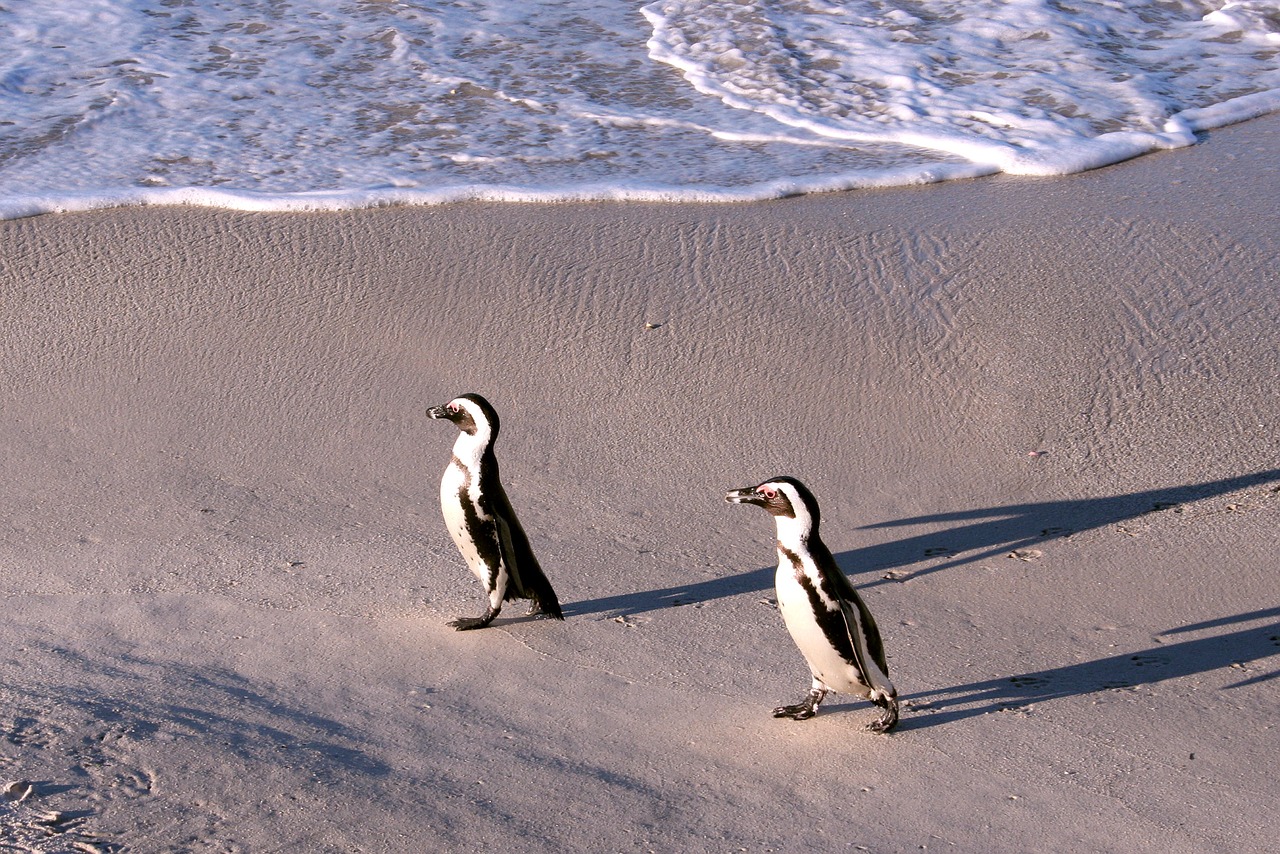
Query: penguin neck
(470, 448)
(794, 532)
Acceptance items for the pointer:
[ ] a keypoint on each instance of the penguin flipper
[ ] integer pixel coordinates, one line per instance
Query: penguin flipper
(527, 578)
(857, 615)
(883, 694)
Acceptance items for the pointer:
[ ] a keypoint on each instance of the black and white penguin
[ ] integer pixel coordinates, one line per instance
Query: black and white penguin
(480, 518)
(823, 612)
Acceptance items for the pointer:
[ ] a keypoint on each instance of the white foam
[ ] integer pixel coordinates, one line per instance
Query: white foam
(325, 104)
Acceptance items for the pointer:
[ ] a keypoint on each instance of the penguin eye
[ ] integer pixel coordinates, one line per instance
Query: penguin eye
(769, 492)
(453, 407)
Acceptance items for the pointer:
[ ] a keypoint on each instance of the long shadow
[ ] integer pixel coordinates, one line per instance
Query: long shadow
(996, 531)
(1116, 672)
(989, 532)
(681, 594)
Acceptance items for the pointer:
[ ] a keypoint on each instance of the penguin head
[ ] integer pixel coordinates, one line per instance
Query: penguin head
(471, 413)
(784, 498)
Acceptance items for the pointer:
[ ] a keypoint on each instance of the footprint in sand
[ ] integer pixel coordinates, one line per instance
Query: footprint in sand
(630, 621)
(134, 783)
(28, 732)
(27, 825)
(1029, 681)
(1025, 554)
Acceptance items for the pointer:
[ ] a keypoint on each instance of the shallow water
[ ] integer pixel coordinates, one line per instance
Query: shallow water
(276, 104)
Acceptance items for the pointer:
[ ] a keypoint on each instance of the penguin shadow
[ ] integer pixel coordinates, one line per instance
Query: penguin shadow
(696, 593)
(1127, 671)
(1015, 530)
(989, 532)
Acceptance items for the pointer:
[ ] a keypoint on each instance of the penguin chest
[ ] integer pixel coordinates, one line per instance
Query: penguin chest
(472, 530)
(816, 624)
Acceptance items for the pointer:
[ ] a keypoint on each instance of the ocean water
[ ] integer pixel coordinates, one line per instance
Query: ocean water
(327, 104)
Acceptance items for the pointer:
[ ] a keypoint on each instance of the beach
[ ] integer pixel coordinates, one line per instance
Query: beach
(1040, 416)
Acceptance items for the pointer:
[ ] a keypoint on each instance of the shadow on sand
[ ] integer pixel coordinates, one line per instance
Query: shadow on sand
(997, 531)
(984, 533)
(755, 581)
(120, 695)
(1127, 670)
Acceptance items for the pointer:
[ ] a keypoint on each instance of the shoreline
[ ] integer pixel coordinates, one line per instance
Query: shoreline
(1193, 123)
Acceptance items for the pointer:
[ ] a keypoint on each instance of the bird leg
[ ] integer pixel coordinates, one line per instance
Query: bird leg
(463, 624)
(889, 718)
(804, 709)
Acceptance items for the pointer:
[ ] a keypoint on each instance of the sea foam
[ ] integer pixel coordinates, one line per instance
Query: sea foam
(331, 104)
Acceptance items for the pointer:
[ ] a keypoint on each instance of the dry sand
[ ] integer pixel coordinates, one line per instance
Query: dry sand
(1041, 416)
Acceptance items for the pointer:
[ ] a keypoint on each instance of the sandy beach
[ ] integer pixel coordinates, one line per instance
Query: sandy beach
(1041, 417)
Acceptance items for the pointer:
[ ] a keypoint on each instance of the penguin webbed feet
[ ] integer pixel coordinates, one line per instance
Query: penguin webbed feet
(537, 610)
(797, 712)
(888, 719)
(804, 709)
(464, 624)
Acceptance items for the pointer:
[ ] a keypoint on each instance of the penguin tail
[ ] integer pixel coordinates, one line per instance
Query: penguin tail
(544, 598)
(533, 584)
(541, 609)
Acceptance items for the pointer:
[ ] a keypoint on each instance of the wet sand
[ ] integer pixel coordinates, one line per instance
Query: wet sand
(1040, 415)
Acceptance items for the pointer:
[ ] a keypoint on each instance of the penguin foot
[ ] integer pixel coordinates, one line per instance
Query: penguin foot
(536, 610)
(804, 710)
(463, 624)
(889, 718)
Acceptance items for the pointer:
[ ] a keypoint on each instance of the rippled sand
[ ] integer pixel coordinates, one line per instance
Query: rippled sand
(1041, 417)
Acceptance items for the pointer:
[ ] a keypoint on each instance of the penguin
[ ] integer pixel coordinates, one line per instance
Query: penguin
(480, 519)
(825, 615)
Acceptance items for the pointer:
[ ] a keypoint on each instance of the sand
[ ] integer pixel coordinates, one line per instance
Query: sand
(1041, 417)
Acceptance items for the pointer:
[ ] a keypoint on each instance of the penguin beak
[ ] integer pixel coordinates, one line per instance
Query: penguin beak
(746, 495)
(437, 412)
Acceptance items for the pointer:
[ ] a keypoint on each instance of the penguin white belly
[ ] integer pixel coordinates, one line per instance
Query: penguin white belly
(825, 661)
(455, 518)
